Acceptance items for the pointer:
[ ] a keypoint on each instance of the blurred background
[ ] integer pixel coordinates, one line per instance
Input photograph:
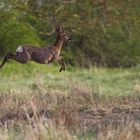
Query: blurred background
(97, 97)
(104, 32)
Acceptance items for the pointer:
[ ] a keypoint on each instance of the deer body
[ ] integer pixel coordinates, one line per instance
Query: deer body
(43, 55)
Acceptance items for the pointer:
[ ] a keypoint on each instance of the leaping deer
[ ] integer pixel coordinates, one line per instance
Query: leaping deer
(43, 55)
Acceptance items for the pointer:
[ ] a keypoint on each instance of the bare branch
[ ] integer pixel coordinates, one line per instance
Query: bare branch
(40, 32)
(24, 8)
(47, 34)
(38, 13)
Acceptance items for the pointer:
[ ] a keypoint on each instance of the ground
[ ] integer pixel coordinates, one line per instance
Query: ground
(39, 102)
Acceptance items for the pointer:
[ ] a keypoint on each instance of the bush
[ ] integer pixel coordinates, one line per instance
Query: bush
(14, 33)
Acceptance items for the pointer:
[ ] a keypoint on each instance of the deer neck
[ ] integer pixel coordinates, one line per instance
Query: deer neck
(58, 43)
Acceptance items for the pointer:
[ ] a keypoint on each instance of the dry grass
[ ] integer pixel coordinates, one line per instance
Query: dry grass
(79, 114)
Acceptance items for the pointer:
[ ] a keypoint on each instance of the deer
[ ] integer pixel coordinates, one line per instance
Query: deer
(42, 55)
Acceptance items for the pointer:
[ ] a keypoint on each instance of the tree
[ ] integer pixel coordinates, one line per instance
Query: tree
(104, 32)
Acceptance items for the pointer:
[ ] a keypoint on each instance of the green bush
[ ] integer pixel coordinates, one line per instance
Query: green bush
(14, 33)
(104, 33)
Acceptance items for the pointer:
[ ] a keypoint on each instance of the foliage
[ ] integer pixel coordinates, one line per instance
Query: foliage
(14, 33)
(104, 32)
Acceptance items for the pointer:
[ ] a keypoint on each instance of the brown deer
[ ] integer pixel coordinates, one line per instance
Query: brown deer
(43, 55)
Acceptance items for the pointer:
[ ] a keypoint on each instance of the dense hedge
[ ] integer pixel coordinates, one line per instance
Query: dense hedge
(103, 32)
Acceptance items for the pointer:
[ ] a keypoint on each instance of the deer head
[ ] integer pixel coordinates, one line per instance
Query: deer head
(62, 35)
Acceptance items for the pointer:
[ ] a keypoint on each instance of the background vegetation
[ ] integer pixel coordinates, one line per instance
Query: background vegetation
(99, 103)
(104, 32)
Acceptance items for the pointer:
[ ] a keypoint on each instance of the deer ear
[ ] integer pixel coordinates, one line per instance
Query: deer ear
(59, 28)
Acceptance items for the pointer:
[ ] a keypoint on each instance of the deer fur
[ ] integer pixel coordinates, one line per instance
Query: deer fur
(43, 55)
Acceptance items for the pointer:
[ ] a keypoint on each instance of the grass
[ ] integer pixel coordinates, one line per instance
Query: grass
(40, 103)
(108, 82)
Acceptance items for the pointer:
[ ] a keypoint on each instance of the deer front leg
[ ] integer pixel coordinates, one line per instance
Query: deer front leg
(63, 65)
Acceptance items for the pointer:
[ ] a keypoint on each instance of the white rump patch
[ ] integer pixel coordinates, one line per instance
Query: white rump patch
(19, 49)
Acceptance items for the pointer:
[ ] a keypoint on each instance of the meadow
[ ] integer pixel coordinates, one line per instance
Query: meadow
(38, 102)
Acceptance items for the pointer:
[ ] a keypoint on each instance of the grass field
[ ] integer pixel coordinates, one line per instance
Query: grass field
(38, 102)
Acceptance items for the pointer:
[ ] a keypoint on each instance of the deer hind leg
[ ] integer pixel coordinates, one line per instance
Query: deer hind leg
(19, 58)
(6, 59)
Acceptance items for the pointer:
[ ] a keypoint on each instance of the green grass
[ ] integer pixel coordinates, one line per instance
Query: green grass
(109, 82)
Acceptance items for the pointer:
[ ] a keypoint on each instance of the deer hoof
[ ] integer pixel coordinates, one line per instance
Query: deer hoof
(60, 69)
